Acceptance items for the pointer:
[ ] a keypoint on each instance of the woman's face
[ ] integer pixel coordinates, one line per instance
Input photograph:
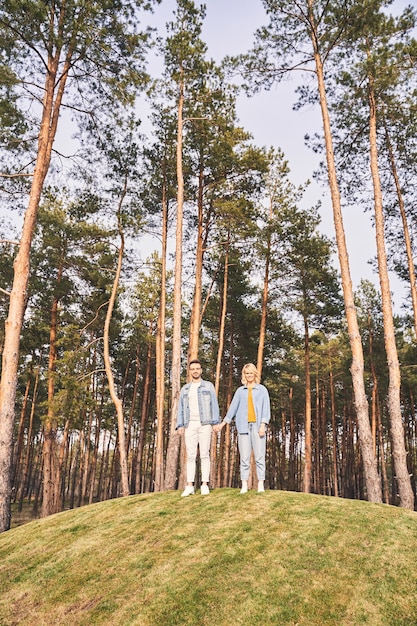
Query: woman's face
(249, 376)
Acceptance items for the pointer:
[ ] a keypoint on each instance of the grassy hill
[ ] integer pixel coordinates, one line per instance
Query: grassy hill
(224, 559)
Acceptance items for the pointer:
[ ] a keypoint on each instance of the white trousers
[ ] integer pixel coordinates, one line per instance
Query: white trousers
(247, 443)
(198, 435)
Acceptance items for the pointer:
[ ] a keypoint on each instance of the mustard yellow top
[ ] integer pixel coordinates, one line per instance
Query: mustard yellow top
(251, 408)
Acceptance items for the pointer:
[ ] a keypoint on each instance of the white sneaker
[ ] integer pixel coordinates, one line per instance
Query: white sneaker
(188, 491)
(261, 487)
(205, 490)
(244, 487)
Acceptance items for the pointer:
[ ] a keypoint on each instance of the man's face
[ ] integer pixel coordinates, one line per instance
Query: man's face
(195, 371)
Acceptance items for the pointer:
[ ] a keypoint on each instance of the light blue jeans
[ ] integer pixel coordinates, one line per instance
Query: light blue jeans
(247, 443)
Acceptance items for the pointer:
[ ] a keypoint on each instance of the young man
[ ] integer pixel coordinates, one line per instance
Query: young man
(198, 410)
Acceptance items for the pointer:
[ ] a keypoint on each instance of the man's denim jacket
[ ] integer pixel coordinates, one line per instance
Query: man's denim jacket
(207, 404)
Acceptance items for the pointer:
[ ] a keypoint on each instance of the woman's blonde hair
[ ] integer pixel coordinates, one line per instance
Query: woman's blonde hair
(251, 368)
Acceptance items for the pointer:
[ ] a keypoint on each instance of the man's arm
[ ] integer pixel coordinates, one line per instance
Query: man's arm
(215, 416)
(180, 412)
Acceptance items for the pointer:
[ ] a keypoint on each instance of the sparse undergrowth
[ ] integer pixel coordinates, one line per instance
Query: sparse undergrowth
(224, 559)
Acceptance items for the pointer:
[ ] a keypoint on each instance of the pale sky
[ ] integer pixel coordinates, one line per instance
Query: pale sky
(228, 30)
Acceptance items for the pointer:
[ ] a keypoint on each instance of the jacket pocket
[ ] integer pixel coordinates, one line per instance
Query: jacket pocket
(206, 404)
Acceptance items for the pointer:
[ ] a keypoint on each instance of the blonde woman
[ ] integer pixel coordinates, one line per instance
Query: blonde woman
(251, 408)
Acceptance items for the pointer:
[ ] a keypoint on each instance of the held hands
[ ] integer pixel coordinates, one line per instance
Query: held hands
(217, 428)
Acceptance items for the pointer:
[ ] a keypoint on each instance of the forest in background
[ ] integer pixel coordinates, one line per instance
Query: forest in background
(95, 342)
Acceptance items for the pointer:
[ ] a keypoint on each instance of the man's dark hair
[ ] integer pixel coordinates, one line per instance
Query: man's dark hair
(194, 361)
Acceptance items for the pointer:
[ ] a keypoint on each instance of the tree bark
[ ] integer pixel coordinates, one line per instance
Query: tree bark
(18, 296)
(264, 303)
(160, 349)
(16, 466)
(198, 288)
(49, 497)
(174, 437)
(143, 420)
(292, 458)
(107, 364)
(307, 432)
(213, 447)
(24, 486)
(394, 398)
(406, 231)
(94, 461)
(372, 478)
(335, 455)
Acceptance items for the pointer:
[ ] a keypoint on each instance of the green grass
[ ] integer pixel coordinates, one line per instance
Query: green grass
(224, 559)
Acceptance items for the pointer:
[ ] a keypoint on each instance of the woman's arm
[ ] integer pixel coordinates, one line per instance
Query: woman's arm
(234, 405)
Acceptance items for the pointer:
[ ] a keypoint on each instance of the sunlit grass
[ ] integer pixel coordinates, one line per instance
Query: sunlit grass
(273, 558)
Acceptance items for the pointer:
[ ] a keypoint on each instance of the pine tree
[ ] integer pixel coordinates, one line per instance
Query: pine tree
(57, 46)
(303, 36)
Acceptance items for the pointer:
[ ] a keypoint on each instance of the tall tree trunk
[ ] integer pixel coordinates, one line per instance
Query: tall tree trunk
(222, 318)
(174, 437)
(394, 398)
(94, 461)
(13, 325)
(49, 444)
(29, 445)
(132, 412)
(16, 466)
(280, 450)
(382, 448)
(372, 478)
(160, 348)
(264, 303)
(59, 502)
(308, 438)
(227, 440)
(324, 448)
(334, 435)
(374, 405)
(107, 364)
(73, 475)
(63, 463)
(36, 479)
(101, 488)
(87, 454)
(412, 439)
(198, 288)
(406, 231)
(143, 420)
(291, 480)
(213, 447)
(82, 444)
(317, 439)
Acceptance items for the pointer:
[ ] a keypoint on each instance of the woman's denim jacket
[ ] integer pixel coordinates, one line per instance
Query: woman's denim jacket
(239, 407)
(207, 404)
